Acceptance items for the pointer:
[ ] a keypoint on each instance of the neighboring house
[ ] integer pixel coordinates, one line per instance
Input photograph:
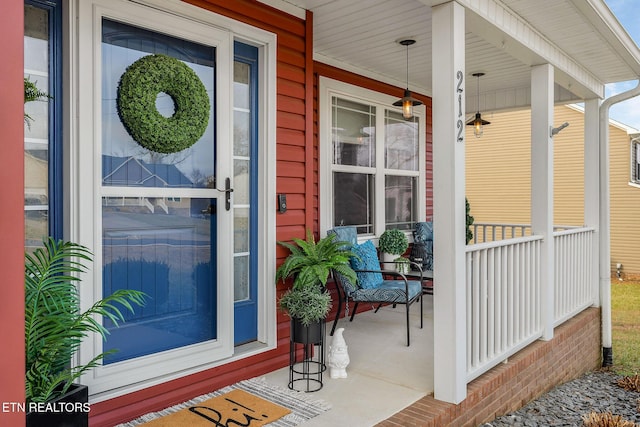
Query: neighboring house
(499, 185)
(302, 97)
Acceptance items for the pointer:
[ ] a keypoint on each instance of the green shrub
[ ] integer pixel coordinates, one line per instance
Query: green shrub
(393, 242)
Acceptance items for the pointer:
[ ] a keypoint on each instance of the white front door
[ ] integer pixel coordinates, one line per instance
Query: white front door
(152, 204)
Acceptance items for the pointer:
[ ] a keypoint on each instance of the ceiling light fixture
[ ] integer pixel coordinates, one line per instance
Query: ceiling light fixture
(407, 102)
(477, 122)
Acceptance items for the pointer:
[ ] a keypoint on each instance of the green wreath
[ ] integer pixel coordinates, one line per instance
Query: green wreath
(138, 89)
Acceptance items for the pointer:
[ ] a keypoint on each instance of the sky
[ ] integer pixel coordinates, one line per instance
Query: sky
(626, 112)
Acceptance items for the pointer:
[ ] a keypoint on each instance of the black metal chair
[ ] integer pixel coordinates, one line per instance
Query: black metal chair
(398, 290)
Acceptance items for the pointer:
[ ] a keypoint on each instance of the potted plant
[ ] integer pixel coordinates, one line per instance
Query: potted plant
(402, 265)
(393, 244)
(55, 327)
(307, 308)
(468, 221)
(308, 302)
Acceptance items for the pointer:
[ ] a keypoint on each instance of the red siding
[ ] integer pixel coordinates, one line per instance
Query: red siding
(11, 214)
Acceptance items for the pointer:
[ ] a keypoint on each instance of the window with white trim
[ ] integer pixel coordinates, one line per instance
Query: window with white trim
(635, 160)
(372, 161)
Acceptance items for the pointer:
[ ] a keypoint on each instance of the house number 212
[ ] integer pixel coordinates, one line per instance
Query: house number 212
(460, 123)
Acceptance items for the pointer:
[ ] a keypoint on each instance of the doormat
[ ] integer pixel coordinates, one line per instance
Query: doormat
(237, 407)
(302, 406)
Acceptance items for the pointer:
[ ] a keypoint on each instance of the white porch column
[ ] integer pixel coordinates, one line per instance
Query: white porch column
(592, 185)
(542, 184)
(448, 53)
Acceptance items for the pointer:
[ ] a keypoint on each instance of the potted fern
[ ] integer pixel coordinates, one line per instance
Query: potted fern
(55, 327)
(310, 263)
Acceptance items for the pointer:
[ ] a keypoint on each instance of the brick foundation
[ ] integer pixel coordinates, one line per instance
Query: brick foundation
(574, 350)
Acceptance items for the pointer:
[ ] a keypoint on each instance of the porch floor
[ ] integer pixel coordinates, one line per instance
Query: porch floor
(384, 375)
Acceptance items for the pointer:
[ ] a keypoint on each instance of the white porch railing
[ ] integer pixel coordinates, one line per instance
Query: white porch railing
(503, 300)
(573, 281)
(487, 232)
(490, 232)
(503, 288)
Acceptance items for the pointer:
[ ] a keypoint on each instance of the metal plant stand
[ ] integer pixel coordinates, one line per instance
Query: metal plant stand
(306, 356)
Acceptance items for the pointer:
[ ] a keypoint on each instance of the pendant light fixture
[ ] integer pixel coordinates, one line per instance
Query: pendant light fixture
(478, 122)
(407, 102)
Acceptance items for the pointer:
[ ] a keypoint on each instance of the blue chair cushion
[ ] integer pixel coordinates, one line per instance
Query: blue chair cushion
(423, 232)
(389, 291)
(422, 248)
(345, 234)
(368, 261)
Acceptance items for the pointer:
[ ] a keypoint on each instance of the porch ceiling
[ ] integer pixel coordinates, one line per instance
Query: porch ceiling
(361, 36)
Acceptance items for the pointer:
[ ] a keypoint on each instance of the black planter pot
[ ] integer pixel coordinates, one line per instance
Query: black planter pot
(69, 410)
(312, 334)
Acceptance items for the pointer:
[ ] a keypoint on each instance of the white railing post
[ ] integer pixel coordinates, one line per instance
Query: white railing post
(542, 81)
(592, 188)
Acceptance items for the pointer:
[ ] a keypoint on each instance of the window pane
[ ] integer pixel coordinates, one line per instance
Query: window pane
(36, 38)
(241, 278)
(241, 182)
(241, 230)
(36, 227)
(353, 133)
(401, 142)
(241, 132)
(36, 128)
(127, 163)
(36, 176)
(353, 200)
(400, 196)
(635, 161)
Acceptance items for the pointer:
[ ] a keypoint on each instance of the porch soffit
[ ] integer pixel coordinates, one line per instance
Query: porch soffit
(504, 38)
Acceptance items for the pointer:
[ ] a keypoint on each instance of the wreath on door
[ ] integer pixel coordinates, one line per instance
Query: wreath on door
(138, 90)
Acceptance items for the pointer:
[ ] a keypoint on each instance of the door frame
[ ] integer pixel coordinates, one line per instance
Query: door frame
(83, 221)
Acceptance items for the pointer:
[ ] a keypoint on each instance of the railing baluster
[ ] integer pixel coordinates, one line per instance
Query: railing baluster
(491, 305)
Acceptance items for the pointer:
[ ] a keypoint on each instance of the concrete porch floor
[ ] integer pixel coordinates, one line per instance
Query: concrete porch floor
(384, 375)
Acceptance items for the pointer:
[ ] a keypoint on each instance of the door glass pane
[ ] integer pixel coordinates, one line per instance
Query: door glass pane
(164, 246)
(167, 255)
(400, 142)
(36, 128)
(127, 163)
(353, 133)
(353, 200)
(400, 202)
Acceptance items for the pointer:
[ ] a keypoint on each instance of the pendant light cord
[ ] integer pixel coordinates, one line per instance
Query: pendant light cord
(407, 66)
(478, 94)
